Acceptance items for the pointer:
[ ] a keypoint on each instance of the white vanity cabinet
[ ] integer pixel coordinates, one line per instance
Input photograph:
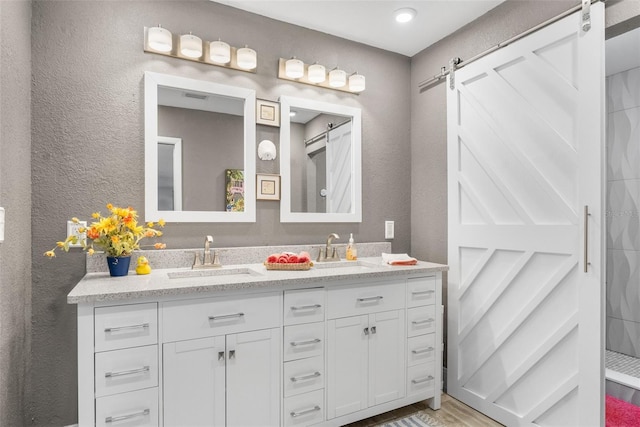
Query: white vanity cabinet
(366, 349)
(227, 380)
(321, 352)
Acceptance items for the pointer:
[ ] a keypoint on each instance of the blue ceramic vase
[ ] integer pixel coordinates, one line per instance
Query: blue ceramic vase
(118, 266)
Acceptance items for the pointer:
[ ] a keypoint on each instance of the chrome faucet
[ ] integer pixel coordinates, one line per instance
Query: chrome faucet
(206, 258)
(330, 253)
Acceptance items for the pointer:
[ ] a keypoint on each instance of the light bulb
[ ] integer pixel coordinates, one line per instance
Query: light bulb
(357, 83)
(159, 39)
(294, 68)
(220, 52)
(337, 78)
(247, 58)
(191, 46)
(405, 14)
(317, 73)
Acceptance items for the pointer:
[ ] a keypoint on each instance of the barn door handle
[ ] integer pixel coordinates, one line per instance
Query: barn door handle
(586, 238)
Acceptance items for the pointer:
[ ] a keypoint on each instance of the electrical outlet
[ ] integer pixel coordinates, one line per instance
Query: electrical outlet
(72, 229)
(389, 229)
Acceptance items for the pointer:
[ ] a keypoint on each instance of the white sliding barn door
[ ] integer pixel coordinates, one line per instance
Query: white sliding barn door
(525, 156)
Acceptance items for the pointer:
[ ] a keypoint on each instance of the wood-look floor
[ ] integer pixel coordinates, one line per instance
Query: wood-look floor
(452, 413)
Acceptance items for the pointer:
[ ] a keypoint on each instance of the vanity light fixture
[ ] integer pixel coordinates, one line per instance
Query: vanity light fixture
(405, 14)
(220, 52)
(337, 77)
(191, 46)
(316, 75)
(160, 41)
(247, 58)
(357, 82)
(294, 68)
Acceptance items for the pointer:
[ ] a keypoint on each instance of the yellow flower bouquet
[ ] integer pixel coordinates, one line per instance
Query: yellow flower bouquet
(117, 234)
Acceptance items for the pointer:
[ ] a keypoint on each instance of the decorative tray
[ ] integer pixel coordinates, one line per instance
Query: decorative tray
(301, 266)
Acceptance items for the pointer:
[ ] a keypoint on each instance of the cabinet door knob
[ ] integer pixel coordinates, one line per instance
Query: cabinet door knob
(221, 355)
(232, 354)
(366, 331)
(373, 329)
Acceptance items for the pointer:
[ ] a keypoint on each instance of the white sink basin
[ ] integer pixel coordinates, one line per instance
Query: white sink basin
(343, 264)
(213, 272)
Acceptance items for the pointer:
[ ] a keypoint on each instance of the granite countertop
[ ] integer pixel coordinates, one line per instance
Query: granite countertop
(100, 287)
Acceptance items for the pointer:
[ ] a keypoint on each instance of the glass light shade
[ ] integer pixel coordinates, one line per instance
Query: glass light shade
(247, 58)
(159, 39)
(220, 52)
(337, 78)
(191, 46)
(357, 83)
(317, 73)
(294, 68)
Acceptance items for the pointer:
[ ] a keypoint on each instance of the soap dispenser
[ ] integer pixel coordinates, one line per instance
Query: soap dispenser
(352, 252)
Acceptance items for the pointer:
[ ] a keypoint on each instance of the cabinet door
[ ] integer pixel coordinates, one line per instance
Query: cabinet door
(386, 357)
(347, 365)
(194, 382)
(253, 378)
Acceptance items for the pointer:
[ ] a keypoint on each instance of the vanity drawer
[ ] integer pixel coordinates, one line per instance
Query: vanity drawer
(421, 380)
(123, 326)
(206, 317)
(421, 349)
(364, 299)
(136, 408)
(304, 375)
(304, 306)
(304, 409)
(305, 340)
(421, 291)
(421, 320)
(125, 370)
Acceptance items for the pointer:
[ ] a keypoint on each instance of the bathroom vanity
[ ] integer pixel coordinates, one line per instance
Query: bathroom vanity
(243, 346)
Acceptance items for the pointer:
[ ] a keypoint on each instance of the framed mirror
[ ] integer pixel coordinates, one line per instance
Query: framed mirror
(199, 151)
(320, 161)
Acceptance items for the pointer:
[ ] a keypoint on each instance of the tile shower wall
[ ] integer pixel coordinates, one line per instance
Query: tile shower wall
(623, 217)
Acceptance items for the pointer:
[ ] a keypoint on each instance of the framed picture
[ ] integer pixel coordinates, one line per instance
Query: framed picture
(234, 181)
(267, 113)
(268, 187)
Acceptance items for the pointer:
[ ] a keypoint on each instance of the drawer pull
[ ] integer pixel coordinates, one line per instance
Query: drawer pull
(126, 417)
(422, 380)
(295, 414)
(123, 373)
(226, 316)
(422, 350)
(367, 299)
(422, 322)
(306, 307)
(422, 292)
(305, 377)
(307, 342)
(124, 328)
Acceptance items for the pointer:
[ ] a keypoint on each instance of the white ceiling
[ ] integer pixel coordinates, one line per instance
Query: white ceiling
(372, 22)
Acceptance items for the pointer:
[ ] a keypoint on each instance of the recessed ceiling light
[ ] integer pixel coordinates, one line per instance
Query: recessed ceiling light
(292, 113)
(405, 14)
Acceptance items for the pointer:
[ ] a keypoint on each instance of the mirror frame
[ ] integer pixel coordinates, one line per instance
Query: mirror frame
(286, 102)
(151, 83)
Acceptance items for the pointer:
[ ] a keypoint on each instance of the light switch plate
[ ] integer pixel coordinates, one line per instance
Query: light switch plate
(389, 229)
(72, 228)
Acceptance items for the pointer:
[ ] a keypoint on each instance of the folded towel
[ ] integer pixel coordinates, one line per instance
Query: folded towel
(398, 259)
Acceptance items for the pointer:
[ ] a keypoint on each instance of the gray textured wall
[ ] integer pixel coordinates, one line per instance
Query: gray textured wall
(15, 197)
(88, 67)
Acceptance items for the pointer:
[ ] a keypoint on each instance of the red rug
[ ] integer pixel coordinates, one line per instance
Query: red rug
(621, 414)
